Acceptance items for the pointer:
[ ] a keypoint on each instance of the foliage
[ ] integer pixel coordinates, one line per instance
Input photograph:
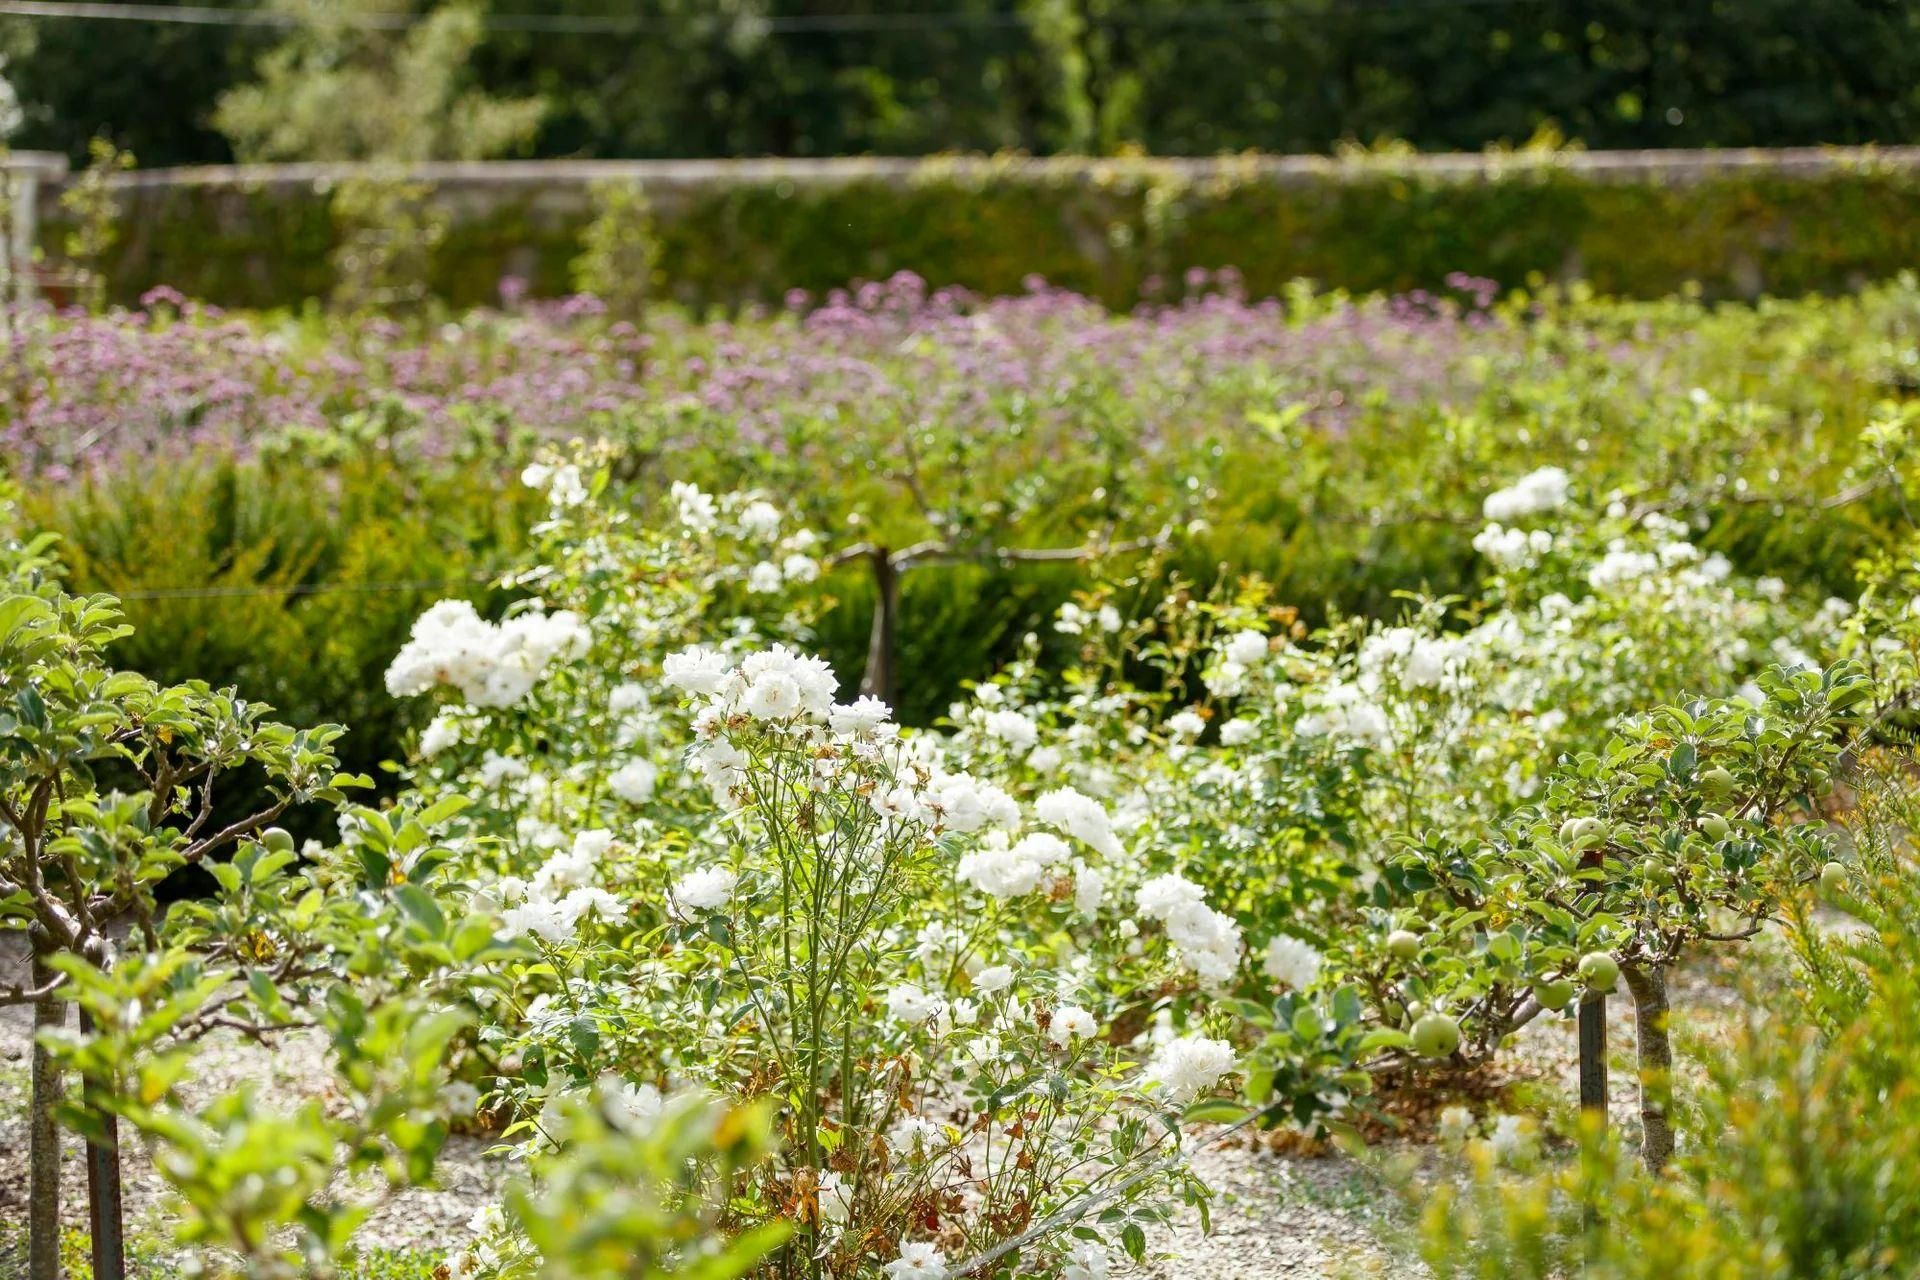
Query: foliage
(388, 231)
(619, 252)
(1110, 229)
(316, 472)
(1373, 808)
(70, 720)
(256, 576)
(90, 207)
(1798, 1168)
(334, 89)
(770, 77)
(757, 978)
(623, 1201)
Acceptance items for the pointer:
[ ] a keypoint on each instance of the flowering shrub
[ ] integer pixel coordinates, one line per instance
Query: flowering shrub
(767, 893)
(977, 973)
(750, 974)
(1333, 789)
(1341, 447)
(107, 783)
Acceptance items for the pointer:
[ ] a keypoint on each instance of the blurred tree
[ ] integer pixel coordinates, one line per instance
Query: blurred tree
(773, 77)
(821, 77)
(337, 89)
(1460, 75)
(149, 88)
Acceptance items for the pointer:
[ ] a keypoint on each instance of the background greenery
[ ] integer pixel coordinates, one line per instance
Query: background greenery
(824, 77)
(295, 570)
(1110, 232)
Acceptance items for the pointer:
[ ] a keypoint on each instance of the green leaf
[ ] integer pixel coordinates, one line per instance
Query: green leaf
(420, 906)
(17, 612)
(440, 810)
(1382, 1038)
(1215, 1111)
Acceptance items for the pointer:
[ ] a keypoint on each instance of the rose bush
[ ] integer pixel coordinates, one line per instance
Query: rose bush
(747, 974)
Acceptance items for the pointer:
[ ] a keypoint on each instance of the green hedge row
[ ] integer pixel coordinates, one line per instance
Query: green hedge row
(1103, 228)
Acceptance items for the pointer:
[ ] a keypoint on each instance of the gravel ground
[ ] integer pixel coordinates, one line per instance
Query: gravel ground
(1276, 1213)
(1281, 1215)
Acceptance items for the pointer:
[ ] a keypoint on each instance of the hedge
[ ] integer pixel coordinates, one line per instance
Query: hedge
(1733, 224)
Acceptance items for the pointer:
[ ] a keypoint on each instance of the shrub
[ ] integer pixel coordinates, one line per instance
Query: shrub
(1797, 1164)
(1106, 228)
(296, 584)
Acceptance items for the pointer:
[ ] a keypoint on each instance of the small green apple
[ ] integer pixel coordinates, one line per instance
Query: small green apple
(1436, 1036)
(1599, 971)
(1553, 993)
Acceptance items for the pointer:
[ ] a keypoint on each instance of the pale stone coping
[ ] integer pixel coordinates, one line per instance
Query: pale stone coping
(50, 165)
(1677, 166)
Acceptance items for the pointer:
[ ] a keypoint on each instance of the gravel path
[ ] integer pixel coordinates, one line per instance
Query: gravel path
(1278, 1215)
(1275, 1215)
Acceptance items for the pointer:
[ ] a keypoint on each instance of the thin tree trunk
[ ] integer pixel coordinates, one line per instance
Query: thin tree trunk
(43, 1141)
(1593, 1095)
(1649, 988)
(106, 1217)
(878, 679)
(1593, 1057)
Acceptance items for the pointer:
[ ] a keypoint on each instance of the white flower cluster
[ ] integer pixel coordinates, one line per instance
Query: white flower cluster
(917, 1261)
(634, 781)
(789, 560)
(1085, 1260)
(955, 802)
(1509, 548)
(562, 483)
(1006, 868)
(491, 665)
(773, 684)
(1626, 567)
(1543, 490)
(1291, 962)
(1515, 1141)
(1189, 1066)
(1074, 620)
(1016, 730)
(1236, 658)
(560, 895)
(1188, 724)
(1344, 710)
(1081, 817)
(1009, 871)
(912, 1005)
(708, 889)
(1622, 567)
(1069, 1023)
(1207, 941)
(1416, 659)
(792, 694)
